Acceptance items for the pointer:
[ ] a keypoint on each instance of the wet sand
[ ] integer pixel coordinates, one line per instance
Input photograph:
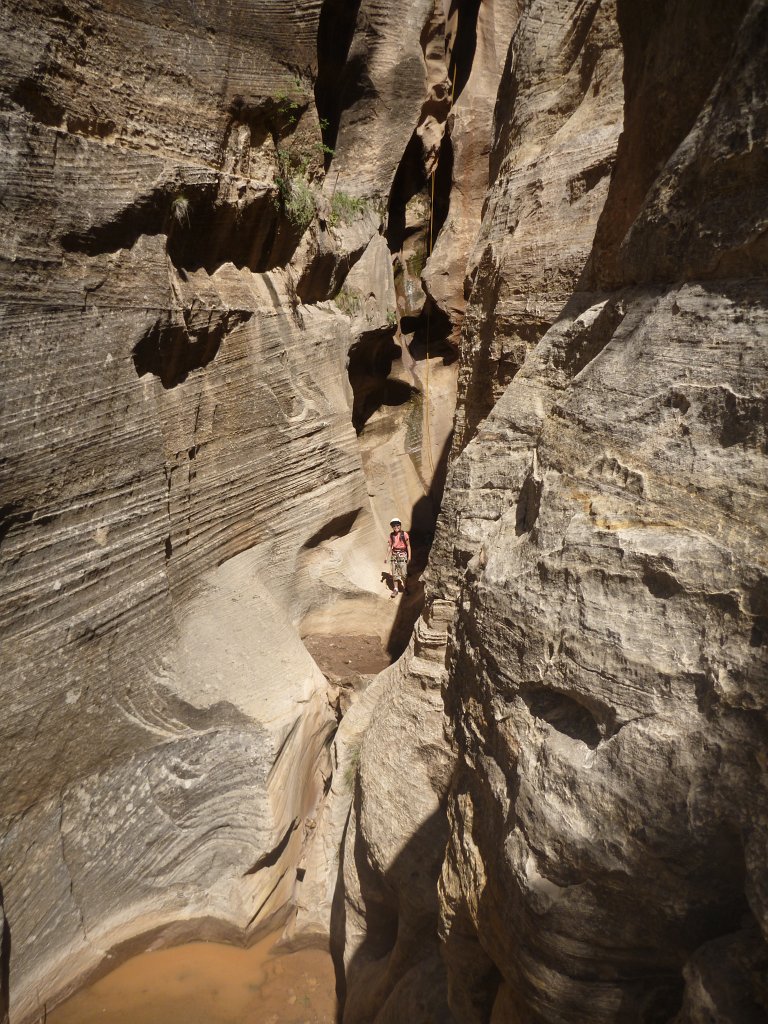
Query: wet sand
(340, 655)
(209, 983)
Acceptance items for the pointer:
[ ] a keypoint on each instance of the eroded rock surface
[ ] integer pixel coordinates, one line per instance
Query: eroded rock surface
(608, 649)
(602, 539)
(479, 35)
(558, 116)
(231, 355)
(184, 489)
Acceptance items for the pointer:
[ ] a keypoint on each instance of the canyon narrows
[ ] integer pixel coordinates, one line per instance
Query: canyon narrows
(274, 270)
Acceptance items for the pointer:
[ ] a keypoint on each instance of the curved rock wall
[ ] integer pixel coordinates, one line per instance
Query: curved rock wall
(160, 384)
(217, 391)
(184, 493)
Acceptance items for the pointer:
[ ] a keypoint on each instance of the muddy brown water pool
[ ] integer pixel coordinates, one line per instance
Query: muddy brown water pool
(209, 983)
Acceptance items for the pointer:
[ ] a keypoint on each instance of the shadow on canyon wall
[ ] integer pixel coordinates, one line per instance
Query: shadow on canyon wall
(5, 964)
(397, 967)
(340, 81)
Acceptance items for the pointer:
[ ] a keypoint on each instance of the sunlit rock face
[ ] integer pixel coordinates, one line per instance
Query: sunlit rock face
(479, 40)
(159, 384)
(557, 117)
(184, 492)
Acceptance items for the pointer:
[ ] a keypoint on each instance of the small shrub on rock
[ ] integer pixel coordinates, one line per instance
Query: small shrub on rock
(297, 201)
(180, 209)
(349, 302)
(345, 208)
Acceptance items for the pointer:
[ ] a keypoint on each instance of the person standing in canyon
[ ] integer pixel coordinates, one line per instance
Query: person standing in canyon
(399, 555)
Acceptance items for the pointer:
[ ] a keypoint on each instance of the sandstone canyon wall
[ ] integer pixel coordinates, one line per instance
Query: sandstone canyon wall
(185, 494)
(599, 563)
(243, 245)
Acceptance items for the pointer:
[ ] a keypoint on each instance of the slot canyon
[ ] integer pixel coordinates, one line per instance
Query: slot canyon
(273, 272)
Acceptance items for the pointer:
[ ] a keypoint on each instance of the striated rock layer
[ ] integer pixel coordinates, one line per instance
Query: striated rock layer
(600, 557)
(158, 383)
(553, 807)
(184, 492)
(558, 114)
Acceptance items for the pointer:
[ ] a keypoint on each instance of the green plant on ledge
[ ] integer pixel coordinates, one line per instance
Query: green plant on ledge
(391, 318)
(416, 263)
(294, 194)
(289, 104)
(297, 200)
(288, 110)
(349, 302)
(345, 208)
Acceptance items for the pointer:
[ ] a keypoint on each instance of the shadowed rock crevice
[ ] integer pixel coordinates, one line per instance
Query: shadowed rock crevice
(463, 954)
(369, 368)
(44, 108)
(529, 502)
(148, 215)
(339, 83)
(12, 516)
(443, 183)
(429, 151)
(583, 182)
(339, 526)
(324, 276)
(233, 216)
(28, 94)
(410, 180)
(271, 857)
(489, 376)
(395, 972)
(184, 341)
(661, 584)
(426, 168)
(563, 713)
(254, 235)
(464, 43)
(588, 336)
(203, 230)
(726, 975)
(429, 334)
(5, 963)
(653, 44)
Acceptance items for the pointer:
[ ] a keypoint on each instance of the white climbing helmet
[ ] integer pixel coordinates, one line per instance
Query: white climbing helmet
(395, 520)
